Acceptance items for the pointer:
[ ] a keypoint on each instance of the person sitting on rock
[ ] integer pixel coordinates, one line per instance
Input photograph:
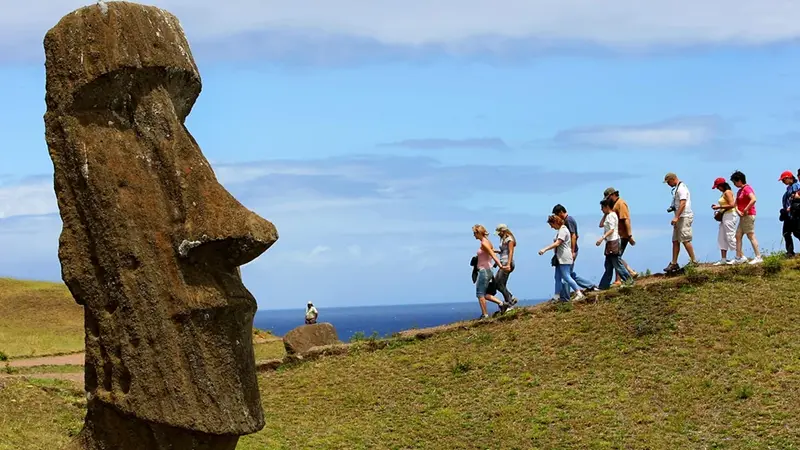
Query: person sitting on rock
(311, 314)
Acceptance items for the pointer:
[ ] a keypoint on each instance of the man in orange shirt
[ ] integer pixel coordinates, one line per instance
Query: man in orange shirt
(625, 231)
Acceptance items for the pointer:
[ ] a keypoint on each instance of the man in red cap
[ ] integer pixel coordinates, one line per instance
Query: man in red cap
(790, 219)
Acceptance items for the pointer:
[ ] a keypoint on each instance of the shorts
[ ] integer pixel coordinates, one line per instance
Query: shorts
(482, 284)
(747, 224)
(682, 230)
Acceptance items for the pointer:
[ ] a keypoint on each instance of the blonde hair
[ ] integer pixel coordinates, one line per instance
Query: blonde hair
(508, 232)
(480, 229)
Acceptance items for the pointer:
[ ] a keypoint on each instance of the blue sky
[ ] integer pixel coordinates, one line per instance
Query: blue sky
(375, 134)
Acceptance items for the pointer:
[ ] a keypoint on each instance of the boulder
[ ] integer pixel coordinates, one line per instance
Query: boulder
(151, 243)
(305, 337)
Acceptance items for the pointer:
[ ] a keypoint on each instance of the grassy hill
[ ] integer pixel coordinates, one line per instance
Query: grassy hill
(711, 360)
(38, 318)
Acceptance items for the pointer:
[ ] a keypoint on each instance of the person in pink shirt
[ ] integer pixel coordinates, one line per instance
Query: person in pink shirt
(746, 210)
(485, 255)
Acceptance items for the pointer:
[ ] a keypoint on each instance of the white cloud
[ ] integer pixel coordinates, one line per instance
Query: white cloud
(678, 132)
(458, 26)
(28, 197)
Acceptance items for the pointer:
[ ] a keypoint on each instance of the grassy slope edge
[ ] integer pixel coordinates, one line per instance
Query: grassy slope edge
(709, 362)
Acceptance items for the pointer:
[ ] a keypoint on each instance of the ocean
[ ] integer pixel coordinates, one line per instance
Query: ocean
(384, 320)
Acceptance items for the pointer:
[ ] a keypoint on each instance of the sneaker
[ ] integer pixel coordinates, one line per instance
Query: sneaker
(579, 295)
(513, 302)
(672, 267)
(634, 274)
(593, 289)
(483, 317)
(756, 260)
(721, 262)
(555, 298)
(504, 308)
(741, 260)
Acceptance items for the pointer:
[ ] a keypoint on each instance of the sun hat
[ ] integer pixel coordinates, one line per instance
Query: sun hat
(499, 228)
(610, 191)
(718, 182)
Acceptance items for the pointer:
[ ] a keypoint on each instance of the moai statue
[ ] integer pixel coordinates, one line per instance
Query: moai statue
(151, 243)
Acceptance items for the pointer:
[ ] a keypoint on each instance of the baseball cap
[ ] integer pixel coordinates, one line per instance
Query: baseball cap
(669, 176)
(786, 174)
(609, 191)
(718, 182)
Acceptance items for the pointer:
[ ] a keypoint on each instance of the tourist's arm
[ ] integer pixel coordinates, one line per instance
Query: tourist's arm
(487, 246)
(551, 246)
(511, 246)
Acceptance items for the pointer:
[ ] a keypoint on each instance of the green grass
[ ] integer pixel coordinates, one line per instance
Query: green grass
(66, 368)
(269, 350)
(38, 318)
(706, 361)
(39, 414)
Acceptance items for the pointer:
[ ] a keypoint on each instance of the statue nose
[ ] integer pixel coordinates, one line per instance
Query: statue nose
(241, 239)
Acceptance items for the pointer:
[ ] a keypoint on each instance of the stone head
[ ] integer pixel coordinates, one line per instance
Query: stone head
(151, 241)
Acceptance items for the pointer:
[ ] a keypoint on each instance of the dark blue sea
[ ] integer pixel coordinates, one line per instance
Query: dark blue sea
(384, 320)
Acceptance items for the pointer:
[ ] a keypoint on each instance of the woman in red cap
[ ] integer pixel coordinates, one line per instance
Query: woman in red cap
(790, 221)
(725, 215)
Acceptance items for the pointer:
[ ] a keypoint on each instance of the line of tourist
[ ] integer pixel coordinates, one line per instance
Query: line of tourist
(736, 215)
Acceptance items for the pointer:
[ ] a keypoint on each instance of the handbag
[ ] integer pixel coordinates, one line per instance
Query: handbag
(718, 215)
(554, 261)
(612, 247)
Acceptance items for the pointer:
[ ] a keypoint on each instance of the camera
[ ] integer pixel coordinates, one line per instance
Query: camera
(671, 209)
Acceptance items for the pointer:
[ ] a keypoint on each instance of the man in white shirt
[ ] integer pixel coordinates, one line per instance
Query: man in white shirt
(681, 222)
(311, 314)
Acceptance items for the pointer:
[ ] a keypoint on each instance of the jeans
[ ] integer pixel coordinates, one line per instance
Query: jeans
(790, 228)
(501, 278)
(563, 275)
(482, 283)
(581, 282)
(613, 263)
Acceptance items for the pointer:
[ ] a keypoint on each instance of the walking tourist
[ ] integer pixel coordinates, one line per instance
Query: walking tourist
(620, 207)
(572, 225)
(612, 245)
(746, 209)
(485, 256)
(562, 260)
(724, 213)
(508, 244)
(790, 217)
(681, 222)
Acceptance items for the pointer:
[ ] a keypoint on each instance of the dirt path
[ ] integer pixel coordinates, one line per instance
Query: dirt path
(75, 377)
(75, 359)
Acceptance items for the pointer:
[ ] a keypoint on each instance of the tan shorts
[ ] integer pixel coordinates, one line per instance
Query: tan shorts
(682, 231)
(747, 224)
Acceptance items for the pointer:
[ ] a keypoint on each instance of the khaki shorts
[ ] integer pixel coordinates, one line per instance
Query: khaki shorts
(682, 231)
(747, 224)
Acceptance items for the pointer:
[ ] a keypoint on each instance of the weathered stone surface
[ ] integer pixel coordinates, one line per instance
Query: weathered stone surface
(151, 242)
(304, 337)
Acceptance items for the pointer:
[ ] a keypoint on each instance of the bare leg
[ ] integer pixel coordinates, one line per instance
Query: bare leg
(752, 237)
(493, 299)
(739, 236)
(482, 301)
(690, 251)
(724, 254)
(676, 248)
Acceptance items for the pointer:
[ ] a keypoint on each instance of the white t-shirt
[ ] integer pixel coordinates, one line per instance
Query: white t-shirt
(611, 223)
(682, 193)
(564, 251)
